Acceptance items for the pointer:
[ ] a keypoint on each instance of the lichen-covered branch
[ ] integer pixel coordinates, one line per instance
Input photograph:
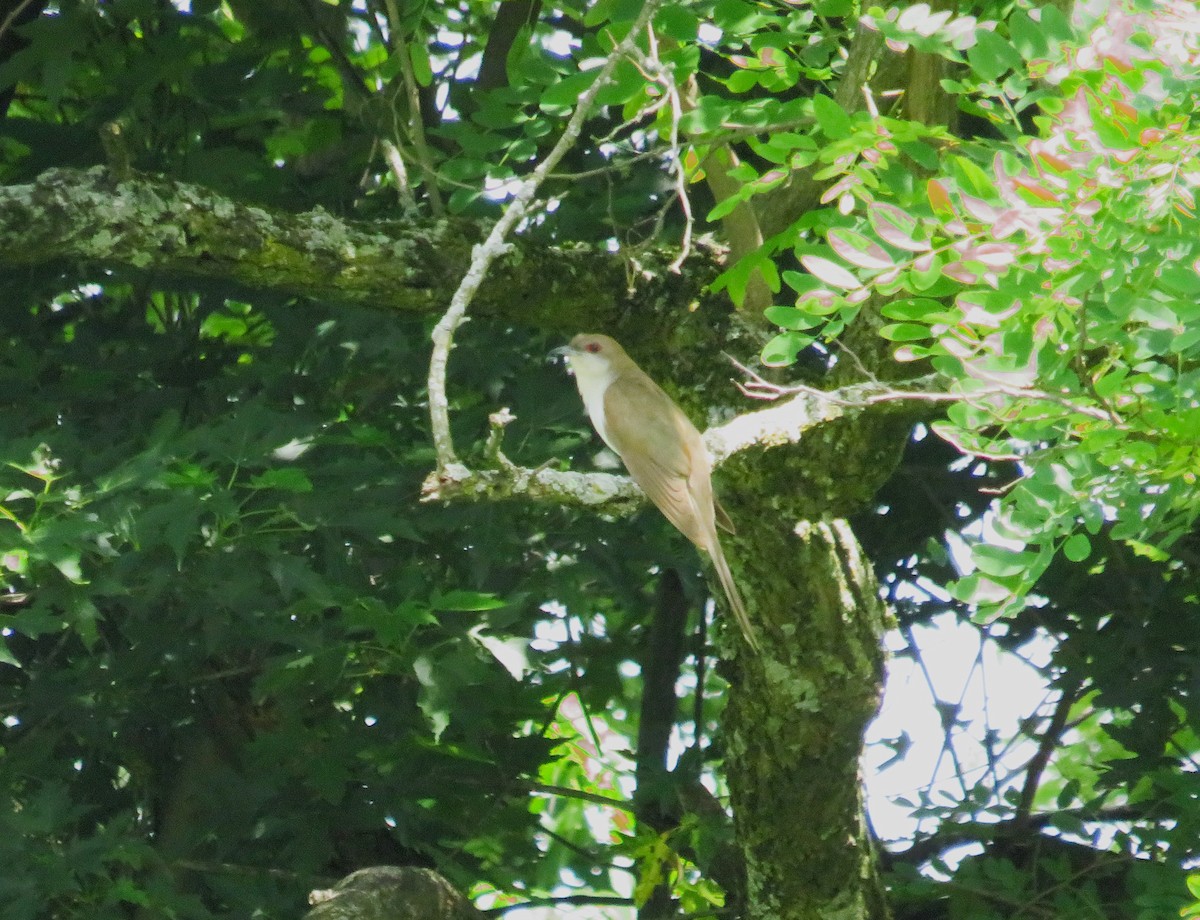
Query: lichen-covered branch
(616, 494)
(399, 892)
(89, 220)
(776, 426)
(785, 423)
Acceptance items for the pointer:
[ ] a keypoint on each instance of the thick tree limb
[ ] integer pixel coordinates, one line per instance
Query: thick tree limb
(400, 892)
(776, 426)
(91, 220)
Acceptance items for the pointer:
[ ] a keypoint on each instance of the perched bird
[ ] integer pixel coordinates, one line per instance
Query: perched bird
(659, 446)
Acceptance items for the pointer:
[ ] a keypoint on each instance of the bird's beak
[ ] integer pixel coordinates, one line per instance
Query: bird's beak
(561, 353)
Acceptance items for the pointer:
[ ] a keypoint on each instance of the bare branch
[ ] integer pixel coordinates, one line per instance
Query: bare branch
(494, 246)
(416, 127)
(11, 17)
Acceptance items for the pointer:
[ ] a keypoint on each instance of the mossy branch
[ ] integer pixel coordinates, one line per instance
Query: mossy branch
(89, 220)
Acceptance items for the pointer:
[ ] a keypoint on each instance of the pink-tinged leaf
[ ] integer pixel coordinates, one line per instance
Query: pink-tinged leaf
(912, 16)
(1004, 182)
(1060, 265)
(960, 33)
(993, 255)
(840, 187)
(1037, 191)
(858, 250)
(1008, 223)
(959, 272)
(912, 353)
(820, 301)
(1121, 107)
(830, 272)
(1055, 163)
(939, 197)
(845, 205)
(1151, 136)
(978, 208)
(895, 227)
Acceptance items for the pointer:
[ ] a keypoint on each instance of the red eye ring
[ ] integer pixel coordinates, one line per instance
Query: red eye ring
(592, 347)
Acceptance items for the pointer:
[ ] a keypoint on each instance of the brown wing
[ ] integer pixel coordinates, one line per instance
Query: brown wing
(662, 451)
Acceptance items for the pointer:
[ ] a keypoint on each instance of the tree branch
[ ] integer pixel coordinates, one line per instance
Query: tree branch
(774, 427)
(78, 221)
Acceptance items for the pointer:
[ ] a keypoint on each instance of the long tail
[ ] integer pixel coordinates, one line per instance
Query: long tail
(735, 599)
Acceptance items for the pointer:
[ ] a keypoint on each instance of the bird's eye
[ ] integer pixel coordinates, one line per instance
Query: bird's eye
(592, 347)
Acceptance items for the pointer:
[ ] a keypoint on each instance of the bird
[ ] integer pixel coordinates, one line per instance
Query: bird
(660, 447)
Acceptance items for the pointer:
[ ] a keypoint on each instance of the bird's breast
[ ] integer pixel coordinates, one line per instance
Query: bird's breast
(593, 379)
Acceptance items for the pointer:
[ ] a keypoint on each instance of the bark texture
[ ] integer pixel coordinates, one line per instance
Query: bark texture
(91, 219)
(392, 893)
(795, 722)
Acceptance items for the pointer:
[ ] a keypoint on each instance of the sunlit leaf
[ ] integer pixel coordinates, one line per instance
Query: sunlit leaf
(829, 272)
(895, 227)
(858, 250)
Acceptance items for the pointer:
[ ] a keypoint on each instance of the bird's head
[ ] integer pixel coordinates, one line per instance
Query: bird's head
(592, 355)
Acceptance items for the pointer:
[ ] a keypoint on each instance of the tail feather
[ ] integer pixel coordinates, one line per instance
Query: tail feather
(735, 599)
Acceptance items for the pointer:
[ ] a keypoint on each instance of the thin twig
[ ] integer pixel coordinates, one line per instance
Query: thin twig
(566, 900)
(11, 17)
(567, 793)
(651, 67)
(494, 246)
(760, 388)
(416, 126)
(395, 162)
(1041, 758)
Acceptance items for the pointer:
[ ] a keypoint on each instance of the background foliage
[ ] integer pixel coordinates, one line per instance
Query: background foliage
(241, 658)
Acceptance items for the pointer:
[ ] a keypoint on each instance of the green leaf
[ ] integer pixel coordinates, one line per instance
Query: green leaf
(466, 601)
(832, 118)
(284, 478)
(904, 332)
(1077, 548)
(790, 318)
(1054, 25)
(782, 349)
(1193, 885)
(677, 22)
(433, 701)
(1028, 37)
(6, 656)
(1000, 562)
(911, 308)
(992, 56)
(421, 64)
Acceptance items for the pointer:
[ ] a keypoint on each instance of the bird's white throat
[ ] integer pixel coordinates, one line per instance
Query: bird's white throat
(593, 374)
